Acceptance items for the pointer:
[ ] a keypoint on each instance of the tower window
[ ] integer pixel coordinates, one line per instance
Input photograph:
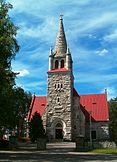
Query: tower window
(77, 116)
(58, 99)
(56, 64)
(55, 86)
(74, 126)
(61, 86)
(58, 86)
(62, 63)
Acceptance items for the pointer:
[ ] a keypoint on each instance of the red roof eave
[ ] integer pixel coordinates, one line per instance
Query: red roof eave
(59, 70)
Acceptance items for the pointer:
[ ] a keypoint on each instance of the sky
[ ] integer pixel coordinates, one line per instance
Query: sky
(91, 33)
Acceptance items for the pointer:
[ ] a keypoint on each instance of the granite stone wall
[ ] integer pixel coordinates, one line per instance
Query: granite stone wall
(59, 103)
(101, 128)
(78, 119)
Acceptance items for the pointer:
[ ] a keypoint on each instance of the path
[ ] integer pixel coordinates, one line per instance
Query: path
(56, 152)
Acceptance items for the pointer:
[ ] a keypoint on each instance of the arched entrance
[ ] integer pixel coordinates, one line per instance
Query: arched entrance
(59, 131)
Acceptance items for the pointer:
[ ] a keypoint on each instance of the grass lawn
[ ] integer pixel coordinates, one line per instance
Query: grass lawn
(99, 150)
(105, 151)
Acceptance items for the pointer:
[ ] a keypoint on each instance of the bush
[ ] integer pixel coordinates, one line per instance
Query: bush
(4, 144)
(36, 127)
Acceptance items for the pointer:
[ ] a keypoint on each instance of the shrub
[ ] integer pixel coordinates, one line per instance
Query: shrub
(36, 127)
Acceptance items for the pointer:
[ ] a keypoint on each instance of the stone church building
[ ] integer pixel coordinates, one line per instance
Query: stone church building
(66, 114)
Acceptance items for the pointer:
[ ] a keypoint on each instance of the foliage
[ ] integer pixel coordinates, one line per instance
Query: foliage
(113, 119)
(8, 49)
(8, 31)
(18, 102)
(36, 127)
(14, 102)
(21, 104)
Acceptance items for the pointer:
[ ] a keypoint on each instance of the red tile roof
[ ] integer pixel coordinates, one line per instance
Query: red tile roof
(97, 105)
(38, 105)
(59, 70)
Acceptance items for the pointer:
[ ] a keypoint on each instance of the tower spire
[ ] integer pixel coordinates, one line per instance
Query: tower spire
(61, 44)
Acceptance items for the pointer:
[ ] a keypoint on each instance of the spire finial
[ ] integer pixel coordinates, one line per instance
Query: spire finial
(105, 90)
(61, 17)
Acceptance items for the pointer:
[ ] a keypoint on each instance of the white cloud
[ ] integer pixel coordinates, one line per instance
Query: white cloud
(111, 37)
(22, 73)
(88, 18)
(38, 84)
(111, 92)
(41, 31)
(102, 52)
(94, 78)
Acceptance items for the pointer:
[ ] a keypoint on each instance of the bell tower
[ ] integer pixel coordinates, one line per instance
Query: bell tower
(60, 89)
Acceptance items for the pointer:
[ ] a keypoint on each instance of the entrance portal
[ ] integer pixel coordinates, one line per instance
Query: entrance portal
(59, 131)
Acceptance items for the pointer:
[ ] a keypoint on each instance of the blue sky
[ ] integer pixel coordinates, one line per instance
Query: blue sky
(91, 32)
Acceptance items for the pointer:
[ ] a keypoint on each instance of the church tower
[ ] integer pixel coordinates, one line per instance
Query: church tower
(60, 89)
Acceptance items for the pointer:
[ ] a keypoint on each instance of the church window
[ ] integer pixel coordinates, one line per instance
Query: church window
(58, 125)
(93, 134)
(55, 86)
(77, 116)
(58, 86)
(61, 86)
(62, 63)
(74, 126)
(58, 99)
(56, 64)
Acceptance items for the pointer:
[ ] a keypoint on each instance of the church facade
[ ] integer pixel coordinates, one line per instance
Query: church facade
(66, 114)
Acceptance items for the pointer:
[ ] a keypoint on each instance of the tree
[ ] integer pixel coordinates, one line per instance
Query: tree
(8, 49)
(8, 46)
(21, 103)
(36, 127)
(14, 101)
(113, 119)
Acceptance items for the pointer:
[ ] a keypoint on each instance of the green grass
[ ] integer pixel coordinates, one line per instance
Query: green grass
(105, 151)
(101, 151)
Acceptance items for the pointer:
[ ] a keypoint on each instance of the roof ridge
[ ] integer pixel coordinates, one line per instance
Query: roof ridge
(92, 94)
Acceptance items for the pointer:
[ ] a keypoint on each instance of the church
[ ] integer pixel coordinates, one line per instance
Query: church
(66, 114)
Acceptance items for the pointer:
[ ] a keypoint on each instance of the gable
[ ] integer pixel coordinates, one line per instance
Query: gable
(38, 104)
(97, 105)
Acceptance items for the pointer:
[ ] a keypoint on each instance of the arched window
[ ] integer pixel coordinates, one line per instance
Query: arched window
(61, 86)
(56, 64)
(58, 99)
(58, 86)
(62, 63)
(59, 131)
(59, 125)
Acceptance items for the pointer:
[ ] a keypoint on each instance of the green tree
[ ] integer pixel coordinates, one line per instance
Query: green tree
(113, 119)
(36, 127)
(14, 101)
(8, 49)
(21, 104)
